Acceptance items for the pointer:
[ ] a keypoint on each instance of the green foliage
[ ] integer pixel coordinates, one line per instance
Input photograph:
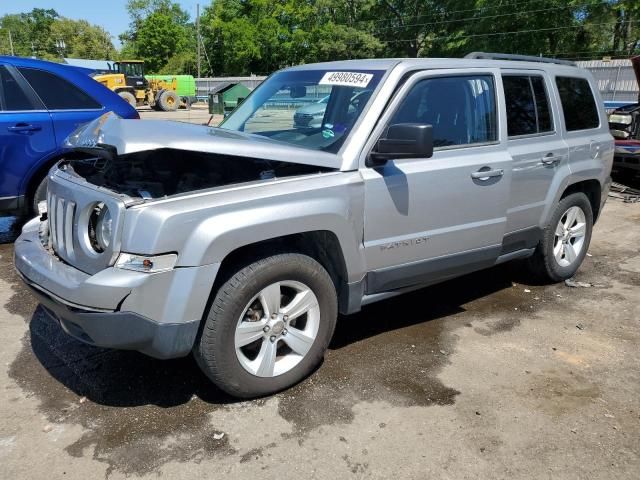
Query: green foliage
(36, 33)
(240, 37)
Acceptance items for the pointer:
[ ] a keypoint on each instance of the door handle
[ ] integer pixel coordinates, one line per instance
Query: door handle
(24, 128)
(551, 159)
(485, 175)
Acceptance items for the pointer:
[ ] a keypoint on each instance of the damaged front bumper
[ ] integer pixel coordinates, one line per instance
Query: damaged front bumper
(157, 314)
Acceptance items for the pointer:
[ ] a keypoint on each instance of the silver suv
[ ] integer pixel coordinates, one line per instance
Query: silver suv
(242, 243)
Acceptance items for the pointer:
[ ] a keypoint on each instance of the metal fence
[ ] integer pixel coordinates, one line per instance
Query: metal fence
(615, 78)
(206, 85)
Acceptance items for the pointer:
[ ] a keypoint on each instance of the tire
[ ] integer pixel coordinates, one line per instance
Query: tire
(544, 263)
(129, 98)
(168, 101)
(39, 195)
(217, 351)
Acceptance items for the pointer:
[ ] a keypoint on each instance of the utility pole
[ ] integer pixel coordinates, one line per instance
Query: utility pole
(198, 35)
(11, 43)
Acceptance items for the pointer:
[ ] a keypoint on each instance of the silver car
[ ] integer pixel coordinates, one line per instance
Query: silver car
(240, 244)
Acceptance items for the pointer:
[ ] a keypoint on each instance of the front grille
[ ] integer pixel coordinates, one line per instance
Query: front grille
(61, 214)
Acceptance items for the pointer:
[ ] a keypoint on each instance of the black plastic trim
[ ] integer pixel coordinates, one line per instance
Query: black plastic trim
(430, 271)
(521, 240)
(12, 204)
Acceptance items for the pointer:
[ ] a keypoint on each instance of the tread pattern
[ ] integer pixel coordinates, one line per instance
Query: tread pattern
(216, 362)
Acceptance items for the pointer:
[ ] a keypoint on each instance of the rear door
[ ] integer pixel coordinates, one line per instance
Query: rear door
(586, 127)
(26, 132)
(69, 105)
(538, 150)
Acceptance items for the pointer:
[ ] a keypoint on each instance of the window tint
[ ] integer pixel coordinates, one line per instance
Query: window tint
(527, 105)
(56, 92)
(521, 109)
(545, 124)
(578, 104)
(461, 109)
(12, 97)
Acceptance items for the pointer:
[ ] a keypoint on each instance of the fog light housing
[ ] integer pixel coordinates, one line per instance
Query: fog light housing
(146, 263)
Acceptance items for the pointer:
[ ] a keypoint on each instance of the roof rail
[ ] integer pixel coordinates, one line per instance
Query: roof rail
(522, 58)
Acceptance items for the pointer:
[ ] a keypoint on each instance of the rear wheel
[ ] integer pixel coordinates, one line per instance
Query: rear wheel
(565, 241)
(168, 101)
(128, 97)
(268, 326)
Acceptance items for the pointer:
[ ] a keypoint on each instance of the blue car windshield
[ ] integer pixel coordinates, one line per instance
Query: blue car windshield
(290, 107)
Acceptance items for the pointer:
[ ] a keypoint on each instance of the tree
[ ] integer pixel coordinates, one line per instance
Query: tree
(40, 32)
(159, 32)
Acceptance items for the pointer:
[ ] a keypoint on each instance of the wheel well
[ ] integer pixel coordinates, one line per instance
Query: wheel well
(323, 246)
(592, 189)
(41, 172)
(126, 89)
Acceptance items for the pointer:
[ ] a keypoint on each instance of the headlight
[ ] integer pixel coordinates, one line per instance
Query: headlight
(100, 227)
(147, 263)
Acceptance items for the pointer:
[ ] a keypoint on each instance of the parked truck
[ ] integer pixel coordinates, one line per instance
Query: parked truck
(128, 80)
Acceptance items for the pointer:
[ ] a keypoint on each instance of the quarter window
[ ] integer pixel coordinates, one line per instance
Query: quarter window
(56, 92)
(12, 97)
(578, 105)
(527, 105)
(461, 109)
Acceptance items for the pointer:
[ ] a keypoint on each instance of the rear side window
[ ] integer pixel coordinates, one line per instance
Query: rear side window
(462, 110)
(56, 92)
(12, 97)
(578, 105)
(527, 105)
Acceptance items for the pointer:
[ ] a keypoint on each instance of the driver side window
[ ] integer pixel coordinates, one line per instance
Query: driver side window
(461, 109)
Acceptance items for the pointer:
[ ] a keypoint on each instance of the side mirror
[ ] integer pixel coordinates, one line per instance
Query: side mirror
(403, 140)
(298, 91)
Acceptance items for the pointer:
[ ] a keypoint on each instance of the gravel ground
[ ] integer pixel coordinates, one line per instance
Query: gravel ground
(486, 376)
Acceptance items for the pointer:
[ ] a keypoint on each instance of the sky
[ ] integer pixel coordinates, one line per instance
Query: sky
(109, 14)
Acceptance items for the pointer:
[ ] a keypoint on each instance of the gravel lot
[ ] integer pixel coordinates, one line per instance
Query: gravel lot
(487, 376)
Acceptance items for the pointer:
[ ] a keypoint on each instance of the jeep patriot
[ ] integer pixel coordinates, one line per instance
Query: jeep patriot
(240, 244)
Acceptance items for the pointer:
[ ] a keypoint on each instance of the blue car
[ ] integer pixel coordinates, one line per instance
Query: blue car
(41, 103)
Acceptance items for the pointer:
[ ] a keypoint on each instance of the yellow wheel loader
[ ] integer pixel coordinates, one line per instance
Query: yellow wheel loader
(127, 80)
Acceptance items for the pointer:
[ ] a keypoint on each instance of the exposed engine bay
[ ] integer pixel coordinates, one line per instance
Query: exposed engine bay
(152, 174)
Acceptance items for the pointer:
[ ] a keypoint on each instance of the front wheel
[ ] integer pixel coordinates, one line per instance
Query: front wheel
(269, 326)
(565, 241)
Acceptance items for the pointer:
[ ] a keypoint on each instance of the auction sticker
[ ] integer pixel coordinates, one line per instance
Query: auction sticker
(347, 79)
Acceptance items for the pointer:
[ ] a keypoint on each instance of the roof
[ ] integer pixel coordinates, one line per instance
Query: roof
(430, 63)
(92, 64)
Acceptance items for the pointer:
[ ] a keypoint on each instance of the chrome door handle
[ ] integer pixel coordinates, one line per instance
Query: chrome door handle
(551, 159)
(24, 128)
(487, 174)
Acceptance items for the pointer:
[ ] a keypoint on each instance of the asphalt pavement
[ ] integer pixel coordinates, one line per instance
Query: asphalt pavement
(486, 376)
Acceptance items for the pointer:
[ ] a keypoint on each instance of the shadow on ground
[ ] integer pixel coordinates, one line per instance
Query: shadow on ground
(138, 413)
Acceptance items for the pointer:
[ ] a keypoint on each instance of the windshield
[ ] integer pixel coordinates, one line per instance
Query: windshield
(314, 109)
(130, 69)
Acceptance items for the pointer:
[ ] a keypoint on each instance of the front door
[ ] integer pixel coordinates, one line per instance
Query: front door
(428, 219)
(26, 133)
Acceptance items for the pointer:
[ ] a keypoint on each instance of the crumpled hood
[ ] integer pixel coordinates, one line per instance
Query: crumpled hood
(129, 136)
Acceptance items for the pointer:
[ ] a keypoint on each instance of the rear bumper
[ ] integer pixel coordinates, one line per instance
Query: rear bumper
(629, 161)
